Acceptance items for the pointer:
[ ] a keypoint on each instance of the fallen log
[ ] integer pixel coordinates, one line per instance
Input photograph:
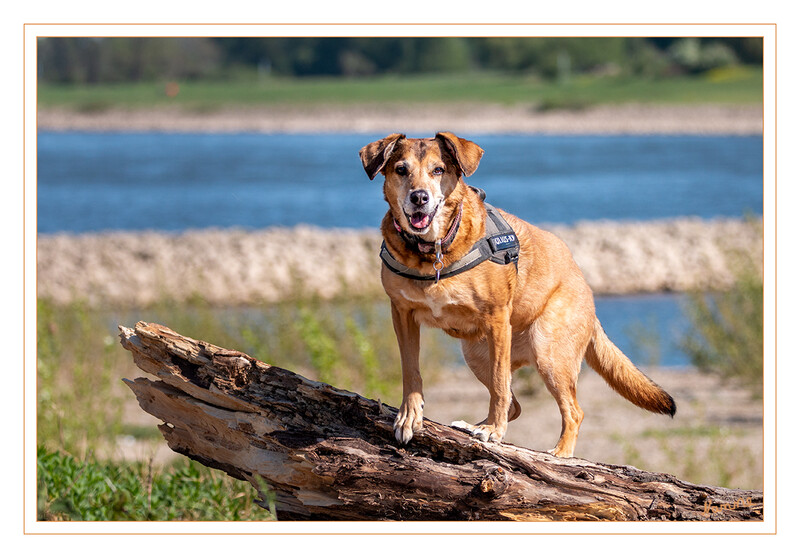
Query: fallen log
(330, 454)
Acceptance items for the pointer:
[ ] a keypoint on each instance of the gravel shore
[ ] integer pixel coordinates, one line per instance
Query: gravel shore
(237, 267)
(419, 118)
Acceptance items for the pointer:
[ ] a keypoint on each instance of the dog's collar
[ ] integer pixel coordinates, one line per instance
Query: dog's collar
(499, 245)
(430, 247)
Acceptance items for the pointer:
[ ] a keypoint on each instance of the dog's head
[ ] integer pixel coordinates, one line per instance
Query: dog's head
(420, 174)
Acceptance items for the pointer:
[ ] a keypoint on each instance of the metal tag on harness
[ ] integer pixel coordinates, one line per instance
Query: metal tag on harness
(503, 242)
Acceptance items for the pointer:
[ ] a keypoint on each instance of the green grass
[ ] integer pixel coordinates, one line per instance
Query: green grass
(78, 403)
(90, 490)
(736, 85)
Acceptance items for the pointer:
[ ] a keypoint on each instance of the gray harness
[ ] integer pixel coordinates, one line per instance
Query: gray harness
(499, 245)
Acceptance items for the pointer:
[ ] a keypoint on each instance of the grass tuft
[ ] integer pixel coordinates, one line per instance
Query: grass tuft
(90, 490)
(726, 337)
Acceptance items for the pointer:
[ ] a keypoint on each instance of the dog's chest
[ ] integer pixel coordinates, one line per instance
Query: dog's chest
(434, 300)
(439, 307)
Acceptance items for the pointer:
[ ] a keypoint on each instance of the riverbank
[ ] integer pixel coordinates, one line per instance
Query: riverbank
(238, 267)
(463, 118)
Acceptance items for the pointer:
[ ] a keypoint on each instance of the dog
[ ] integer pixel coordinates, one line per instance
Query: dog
(529, 306)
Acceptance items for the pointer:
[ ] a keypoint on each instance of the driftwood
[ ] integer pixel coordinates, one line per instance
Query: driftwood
(329, 454)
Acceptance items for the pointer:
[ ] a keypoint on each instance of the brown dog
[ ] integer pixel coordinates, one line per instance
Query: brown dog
(537, 311)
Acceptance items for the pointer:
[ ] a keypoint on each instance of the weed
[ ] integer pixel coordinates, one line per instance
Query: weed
(726, 333)
(320, 345)
(88, 490)
(369, 365)
(77, 406)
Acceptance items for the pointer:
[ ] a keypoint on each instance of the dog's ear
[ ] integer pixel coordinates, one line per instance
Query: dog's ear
(374, 155)
(466, 153)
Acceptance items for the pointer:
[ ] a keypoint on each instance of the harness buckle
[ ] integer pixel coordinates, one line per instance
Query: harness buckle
(438, 265)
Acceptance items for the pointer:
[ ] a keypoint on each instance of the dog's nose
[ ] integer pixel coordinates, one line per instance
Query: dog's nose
(419, 197)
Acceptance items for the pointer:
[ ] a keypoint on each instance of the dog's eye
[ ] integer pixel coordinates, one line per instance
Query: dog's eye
(438, 171)
(401, 170)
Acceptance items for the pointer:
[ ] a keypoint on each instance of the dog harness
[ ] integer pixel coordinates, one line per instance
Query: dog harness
(499, 245)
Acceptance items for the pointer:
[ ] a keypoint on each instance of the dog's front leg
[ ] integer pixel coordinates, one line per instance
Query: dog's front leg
(409, 418)
(499, 338)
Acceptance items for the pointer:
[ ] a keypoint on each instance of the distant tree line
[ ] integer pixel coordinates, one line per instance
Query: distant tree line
(129, 59)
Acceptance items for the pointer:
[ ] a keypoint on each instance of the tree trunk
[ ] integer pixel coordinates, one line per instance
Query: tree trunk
(329, 454)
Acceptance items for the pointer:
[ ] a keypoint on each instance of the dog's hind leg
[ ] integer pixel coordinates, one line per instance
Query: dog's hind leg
(562, 384)
(558, 348)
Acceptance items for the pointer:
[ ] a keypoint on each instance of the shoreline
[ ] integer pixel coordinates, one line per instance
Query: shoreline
(240, 267)
(465, 118)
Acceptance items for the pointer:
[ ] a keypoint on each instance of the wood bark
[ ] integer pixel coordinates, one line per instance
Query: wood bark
(329, 454)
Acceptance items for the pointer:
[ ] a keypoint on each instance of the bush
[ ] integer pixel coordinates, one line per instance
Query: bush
(726, 337)
(696, 56)
(126, 59)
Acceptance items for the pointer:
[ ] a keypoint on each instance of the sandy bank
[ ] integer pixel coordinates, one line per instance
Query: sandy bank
(426, 119)
(245, 267)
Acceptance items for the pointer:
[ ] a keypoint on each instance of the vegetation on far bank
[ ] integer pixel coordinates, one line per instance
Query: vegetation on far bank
(740, 85)
(206, 73)
(132, 59)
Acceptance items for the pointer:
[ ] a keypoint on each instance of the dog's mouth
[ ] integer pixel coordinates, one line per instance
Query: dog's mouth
(419, 221)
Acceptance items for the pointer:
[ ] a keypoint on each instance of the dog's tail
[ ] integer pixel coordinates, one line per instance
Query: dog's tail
(621, 374)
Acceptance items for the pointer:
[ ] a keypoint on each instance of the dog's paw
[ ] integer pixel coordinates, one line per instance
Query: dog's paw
(462, 425)
(409, 419)
(487, 433)
(559, 452)
(482, 432)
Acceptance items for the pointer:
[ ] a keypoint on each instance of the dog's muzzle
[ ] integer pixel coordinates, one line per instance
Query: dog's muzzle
(418, 210)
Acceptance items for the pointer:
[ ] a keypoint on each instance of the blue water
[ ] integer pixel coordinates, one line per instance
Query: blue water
(648, 328)
(89, 182)
(134, 181)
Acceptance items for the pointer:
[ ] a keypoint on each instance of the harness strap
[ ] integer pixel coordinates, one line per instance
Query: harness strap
(500, 245)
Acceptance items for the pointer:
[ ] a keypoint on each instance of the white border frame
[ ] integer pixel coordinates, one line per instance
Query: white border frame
(767, 31)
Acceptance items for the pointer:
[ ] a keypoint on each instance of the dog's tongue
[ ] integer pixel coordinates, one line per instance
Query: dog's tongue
(420, 220)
